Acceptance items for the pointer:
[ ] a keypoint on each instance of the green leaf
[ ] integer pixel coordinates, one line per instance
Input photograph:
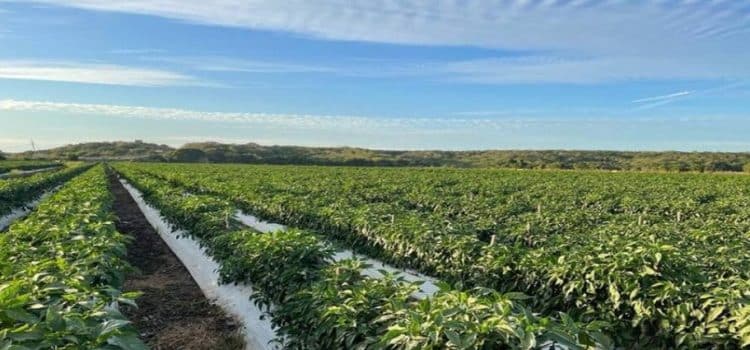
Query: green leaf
(110, 326)
(714, 313)
(127, 342)
(21, 315)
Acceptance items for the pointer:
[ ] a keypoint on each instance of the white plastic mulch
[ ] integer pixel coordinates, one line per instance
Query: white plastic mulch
(21, 212)
(427, 288)
(234, 299)
(26, 172)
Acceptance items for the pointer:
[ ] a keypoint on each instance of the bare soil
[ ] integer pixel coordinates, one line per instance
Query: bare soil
(172, 313)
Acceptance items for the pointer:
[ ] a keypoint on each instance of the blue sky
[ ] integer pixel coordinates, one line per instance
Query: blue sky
(438, 74)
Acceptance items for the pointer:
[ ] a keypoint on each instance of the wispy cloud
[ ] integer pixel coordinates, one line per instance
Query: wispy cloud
(581, 41)
(164, 125)
(489, 23)
(13, 141)
(532, 69)
(658, 101)
(663, 97)
(227, 64)
(591, 70)
(303, 121)
(137, 51)
(107, 74)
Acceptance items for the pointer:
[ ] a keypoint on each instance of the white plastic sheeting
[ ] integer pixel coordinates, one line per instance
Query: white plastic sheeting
(427, 288)
(234, 299)
(26, 172)
(21, 212)
(257, 224)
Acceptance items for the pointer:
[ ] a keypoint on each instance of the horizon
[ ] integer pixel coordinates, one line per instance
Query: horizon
(408, 75)
(183, 145)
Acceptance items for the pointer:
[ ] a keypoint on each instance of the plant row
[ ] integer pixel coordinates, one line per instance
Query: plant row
(15, 193)
(8, 165)
(316, 303)
(664, 258)
(61, 273)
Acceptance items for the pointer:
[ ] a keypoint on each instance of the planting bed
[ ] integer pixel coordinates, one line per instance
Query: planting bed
(173, 313)
(261, 257)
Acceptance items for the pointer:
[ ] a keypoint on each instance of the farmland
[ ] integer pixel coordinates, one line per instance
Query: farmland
(10, 165)
(62, 269)
(522, 259)
(662, 258)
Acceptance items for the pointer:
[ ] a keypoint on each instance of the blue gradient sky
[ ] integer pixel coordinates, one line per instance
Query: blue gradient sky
(533, 74)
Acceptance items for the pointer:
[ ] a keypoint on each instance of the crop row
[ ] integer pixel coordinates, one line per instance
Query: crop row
(317, 303)
(664, 258)
(17, 192)
(8, 165)
(61, 273)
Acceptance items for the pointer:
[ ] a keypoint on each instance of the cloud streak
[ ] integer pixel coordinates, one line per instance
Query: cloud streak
(279, 121)
(82, 122)
(105, 74)
(227, 64)
(658, 101)
(663, 97)
(591, 24)
(565, 41)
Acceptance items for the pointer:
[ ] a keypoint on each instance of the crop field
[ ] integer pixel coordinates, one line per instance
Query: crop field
(9, 166)
(61, 269)
(523, 259)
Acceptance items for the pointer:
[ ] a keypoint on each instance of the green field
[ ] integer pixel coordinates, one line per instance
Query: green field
(7, 166)
(528, 259)
(662, 258)
(61, 270)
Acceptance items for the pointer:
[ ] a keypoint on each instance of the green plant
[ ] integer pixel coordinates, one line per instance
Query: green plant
(653, 255)
(61, 274)
(314, 303)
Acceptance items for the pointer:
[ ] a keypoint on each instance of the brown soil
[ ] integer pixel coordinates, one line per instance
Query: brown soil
(172, 313)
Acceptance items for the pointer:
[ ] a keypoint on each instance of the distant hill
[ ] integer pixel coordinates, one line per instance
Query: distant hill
(519, 159)
(258, 154)
(101, 151)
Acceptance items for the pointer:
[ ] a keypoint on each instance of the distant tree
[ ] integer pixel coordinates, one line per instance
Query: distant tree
(722, 166)
(746, 168)
(155, 158)
(72, 157)
(189, 155)
(2, 155)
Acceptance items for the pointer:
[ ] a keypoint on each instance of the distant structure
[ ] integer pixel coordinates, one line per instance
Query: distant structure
(33, 149)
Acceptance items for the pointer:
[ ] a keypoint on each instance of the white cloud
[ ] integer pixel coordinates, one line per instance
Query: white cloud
(663, 97)
(521, 24)
(590, 70)
(299, 121)
(88, 122)
(17, 144)
(227, 64)
(137, 51)
(107, 74)
(13, 141)
(658, 101)
(580, 41)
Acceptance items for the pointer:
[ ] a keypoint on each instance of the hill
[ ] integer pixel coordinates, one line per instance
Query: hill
(118, 150)
(520, 159)
(211, 152)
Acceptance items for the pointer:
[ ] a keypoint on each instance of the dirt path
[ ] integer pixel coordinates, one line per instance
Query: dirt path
(173, 313)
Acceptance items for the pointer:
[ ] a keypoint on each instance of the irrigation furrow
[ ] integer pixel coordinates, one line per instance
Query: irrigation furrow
(233, 298)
